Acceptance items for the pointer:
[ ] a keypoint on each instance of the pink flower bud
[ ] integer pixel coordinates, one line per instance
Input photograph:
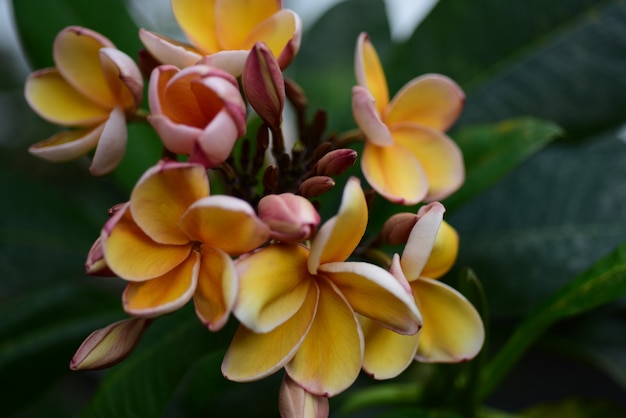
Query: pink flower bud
(397, 228)
(95, 264)
(110, 345)
(315, 186)
(336, 162)
(291, 218)
(295, 402)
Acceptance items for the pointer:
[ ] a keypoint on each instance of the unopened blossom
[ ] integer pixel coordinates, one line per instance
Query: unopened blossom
(452, 328)
(224, 31)
(173, 242)
(407, 157)
(93, 89)
(335, 162)
(295, 402)
(291, 218)
(316, 186)
(197, 111)
(298, 306)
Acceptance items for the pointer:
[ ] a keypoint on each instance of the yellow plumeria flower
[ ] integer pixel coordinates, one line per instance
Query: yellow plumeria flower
(224, 31)
(93, 87)
(298, 306)
(407, 158)
(452, 329)
(172, 241)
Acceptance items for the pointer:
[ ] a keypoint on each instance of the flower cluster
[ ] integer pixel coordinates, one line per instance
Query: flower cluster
(304, 292)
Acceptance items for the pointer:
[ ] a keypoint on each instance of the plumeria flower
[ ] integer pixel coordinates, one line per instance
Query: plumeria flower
(298, 306)
(452, 328)
(197, 111)
(225, 30)
(407, 158)
(172, 241)
(94, 87)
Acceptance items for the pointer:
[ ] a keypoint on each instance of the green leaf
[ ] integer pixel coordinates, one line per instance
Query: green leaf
(576, 408)
(604, 282)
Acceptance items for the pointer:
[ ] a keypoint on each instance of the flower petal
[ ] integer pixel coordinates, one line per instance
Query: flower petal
(370, 73)
(281, 30)
(55, 100)
(374, 293)
(123, 77)
(165, 293)
(217, 288)
(295, 402)
(368, 118)
(330, 357)
(169, 51)
(293, 46)
(111, 145)
(132, 255)
(438, 155)
(198, 23)
(421, 240)
(231, 61)
(394, 173)
(161, 197)
(67, 145)
(453, 330)
(252, 356)
(444, 253)
(76, 52)
(225, 222)
(217, 140)
(387, 353)
(236, 19)
(176, 137)
(431, 100)
(341, 234)
(273, 284)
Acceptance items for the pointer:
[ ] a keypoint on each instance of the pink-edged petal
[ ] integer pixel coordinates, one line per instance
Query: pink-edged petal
(370, 73)
(176, 137)
(330, 357)
(444, 253)
(198, 23)
(231, 61)
(387, 353)
(123, 77)
(341, 234)
(159, 79)
(217, 288)
(165, 293)
(76, 52)
(394, 173)
(453, 330)
(293, 46)
(368, 118)
(111, 145)
(252, 356)
(236, 19)
(169, 51)
(218, 139)
(281, 30)
(374, 293)
(273, 284)
(132, 255)
(421, 240)
(67, 145)
(161, 197)
(225, 222)
(295, 402)
(55, 100)
(438, 155)
(431, 100)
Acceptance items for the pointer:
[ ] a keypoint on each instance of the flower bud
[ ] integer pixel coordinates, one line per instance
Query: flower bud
(264, 86)
(397, 228)
(336, 162)
(110, 345)
(295, 402)
(291, 218)
(95, 264)
(315, 186)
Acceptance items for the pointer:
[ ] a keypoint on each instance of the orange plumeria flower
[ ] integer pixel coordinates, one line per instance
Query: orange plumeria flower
(407, 158)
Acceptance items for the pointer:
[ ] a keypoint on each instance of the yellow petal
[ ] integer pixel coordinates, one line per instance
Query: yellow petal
(387, 353)
(198, 23)
(55, 100)
(341, 234)
(295, 402)
(453, 330)
(111, 145)
(132, 255)
(77, 56)
(273, 284)
(169, 51)
(165, 293)
(394, 173)
(163, 195)
(370, 73)
(330, 357)
(252, 356)
(275, 32)
(375, 293)
(421, 240)
(225, 222)
(438, 155)
(368, 118)
(431, 100)
(123, 77)
(237, 18)
(444, 252)
(217, 288)
(67, 145)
